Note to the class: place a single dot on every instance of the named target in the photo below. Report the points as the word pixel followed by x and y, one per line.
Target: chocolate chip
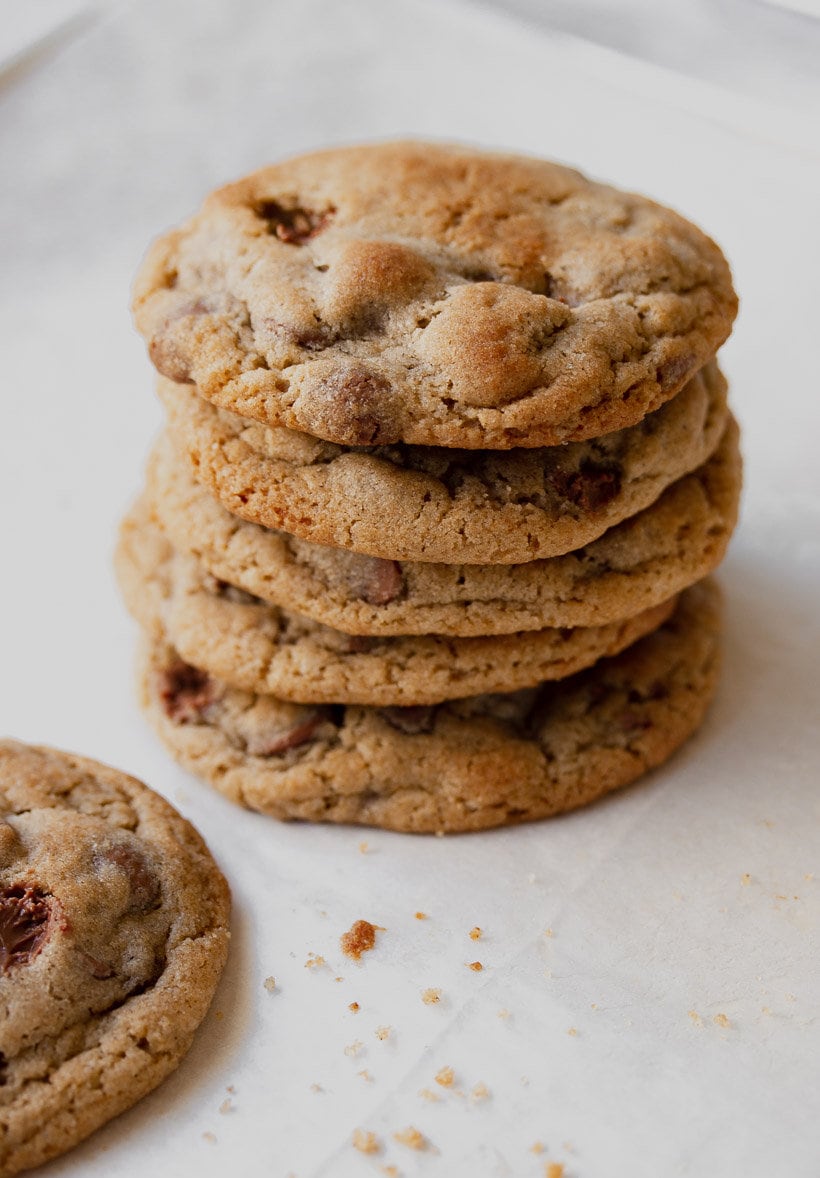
pixel 354 406
pixel 142 882
pixel 375 580
pixel 359 643
pixel 277 743
pixel 294 226
pixel 674 372
pixel 589 488
pixel 25 916
pixel 411 721
pixel 185 692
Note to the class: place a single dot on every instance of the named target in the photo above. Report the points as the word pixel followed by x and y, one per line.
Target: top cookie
pixel 433 295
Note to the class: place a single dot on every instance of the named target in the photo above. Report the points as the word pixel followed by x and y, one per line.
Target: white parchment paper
pixel 668 1026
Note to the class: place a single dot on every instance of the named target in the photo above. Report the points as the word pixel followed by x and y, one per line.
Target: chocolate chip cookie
pixel 249 643
pixel 432 504
pixel 489 760
pixel 638 564
pixel 113 935
pixel 434 295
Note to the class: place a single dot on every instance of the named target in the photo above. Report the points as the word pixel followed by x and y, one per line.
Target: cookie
pixel 436 295
pixel 638 564
pixel 490 760
pixel 248 643
pixel 429 503
pixel 113 935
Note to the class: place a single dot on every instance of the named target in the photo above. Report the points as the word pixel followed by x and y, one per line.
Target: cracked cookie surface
pixel 468 764
pixel 430 503
pixel 436 295
pixel 638 564
pixel 251 644
pixel 113 935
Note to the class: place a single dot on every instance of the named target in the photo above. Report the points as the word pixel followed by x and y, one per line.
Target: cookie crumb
pixel 410 1137
pixel 354 1006
pixel 391 1171
pixel 554 1170
pixel 365 1075
pixel 226 1106
pixel 505 1014
pixel 430 996
pixel 537 1147
pixel 696 1019
pixel 572 1030
pixel 721 1020
pixel 355 1048
pixel 445 1077
pixel 314 961
pixel 383 1032
pixel 270 984
pixel 365 1141
pixel 316 1088
pixel 548 932
pixel 210 1138
pixel 475 933
pixel 363 848
pixel 426 1094
pixel 745 879
pixel 359 938
pixel 480 1091
pixel 421 916
pixel 475 965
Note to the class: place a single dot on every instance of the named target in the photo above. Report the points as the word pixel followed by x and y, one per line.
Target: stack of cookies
pixel 448 458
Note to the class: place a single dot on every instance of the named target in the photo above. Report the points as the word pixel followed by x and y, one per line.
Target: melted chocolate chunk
pixel 293 226
pixel 589 488
pixel 412 721
pixel 185 692
pixel 25 915
pixel 674 372
pixel 165 350
pixel 376 581
pixel 354 407
pixel 142 881
pixel 278 743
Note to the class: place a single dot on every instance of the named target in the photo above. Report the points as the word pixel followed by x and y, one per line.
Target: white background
pixel 112 131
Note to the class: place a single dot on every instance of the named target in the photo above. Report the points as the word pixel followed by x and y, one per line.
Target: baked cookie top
pixel 633 566
pixel 435 295
pixel 113 934
pixel 489 760
pixel 252 644
pixel 431 503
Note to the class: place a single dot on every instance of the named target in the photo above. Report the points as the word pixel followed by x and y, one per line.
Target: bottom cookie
pixel 113 935
pixel 469 764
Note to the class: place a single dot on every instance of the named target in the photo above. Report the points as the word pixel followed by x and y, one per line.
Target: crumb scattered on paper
pixel 316 1088
pixel 359 938
pixel 355 1048
pixel 745 879
pixel 505 1014
pixel 480 1091
pixel 365 1141
pixel 431 996
pixel 383 1032
pixel 270 984
pixel 363 848
pixel 548 932
pixel 554 1170
pixel 475 933
pixel 445 1077
pixel 365 1075
pixel 696 1019
pixel 226 1106
pixel 572 1030
pixel 354 1006
pixel 721 1020
pixel 314 961
pixel 421 916
pixel 426 1094
pixel 537 1147
pixel 410 1137
pixel 475 965
pixel 210 1137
